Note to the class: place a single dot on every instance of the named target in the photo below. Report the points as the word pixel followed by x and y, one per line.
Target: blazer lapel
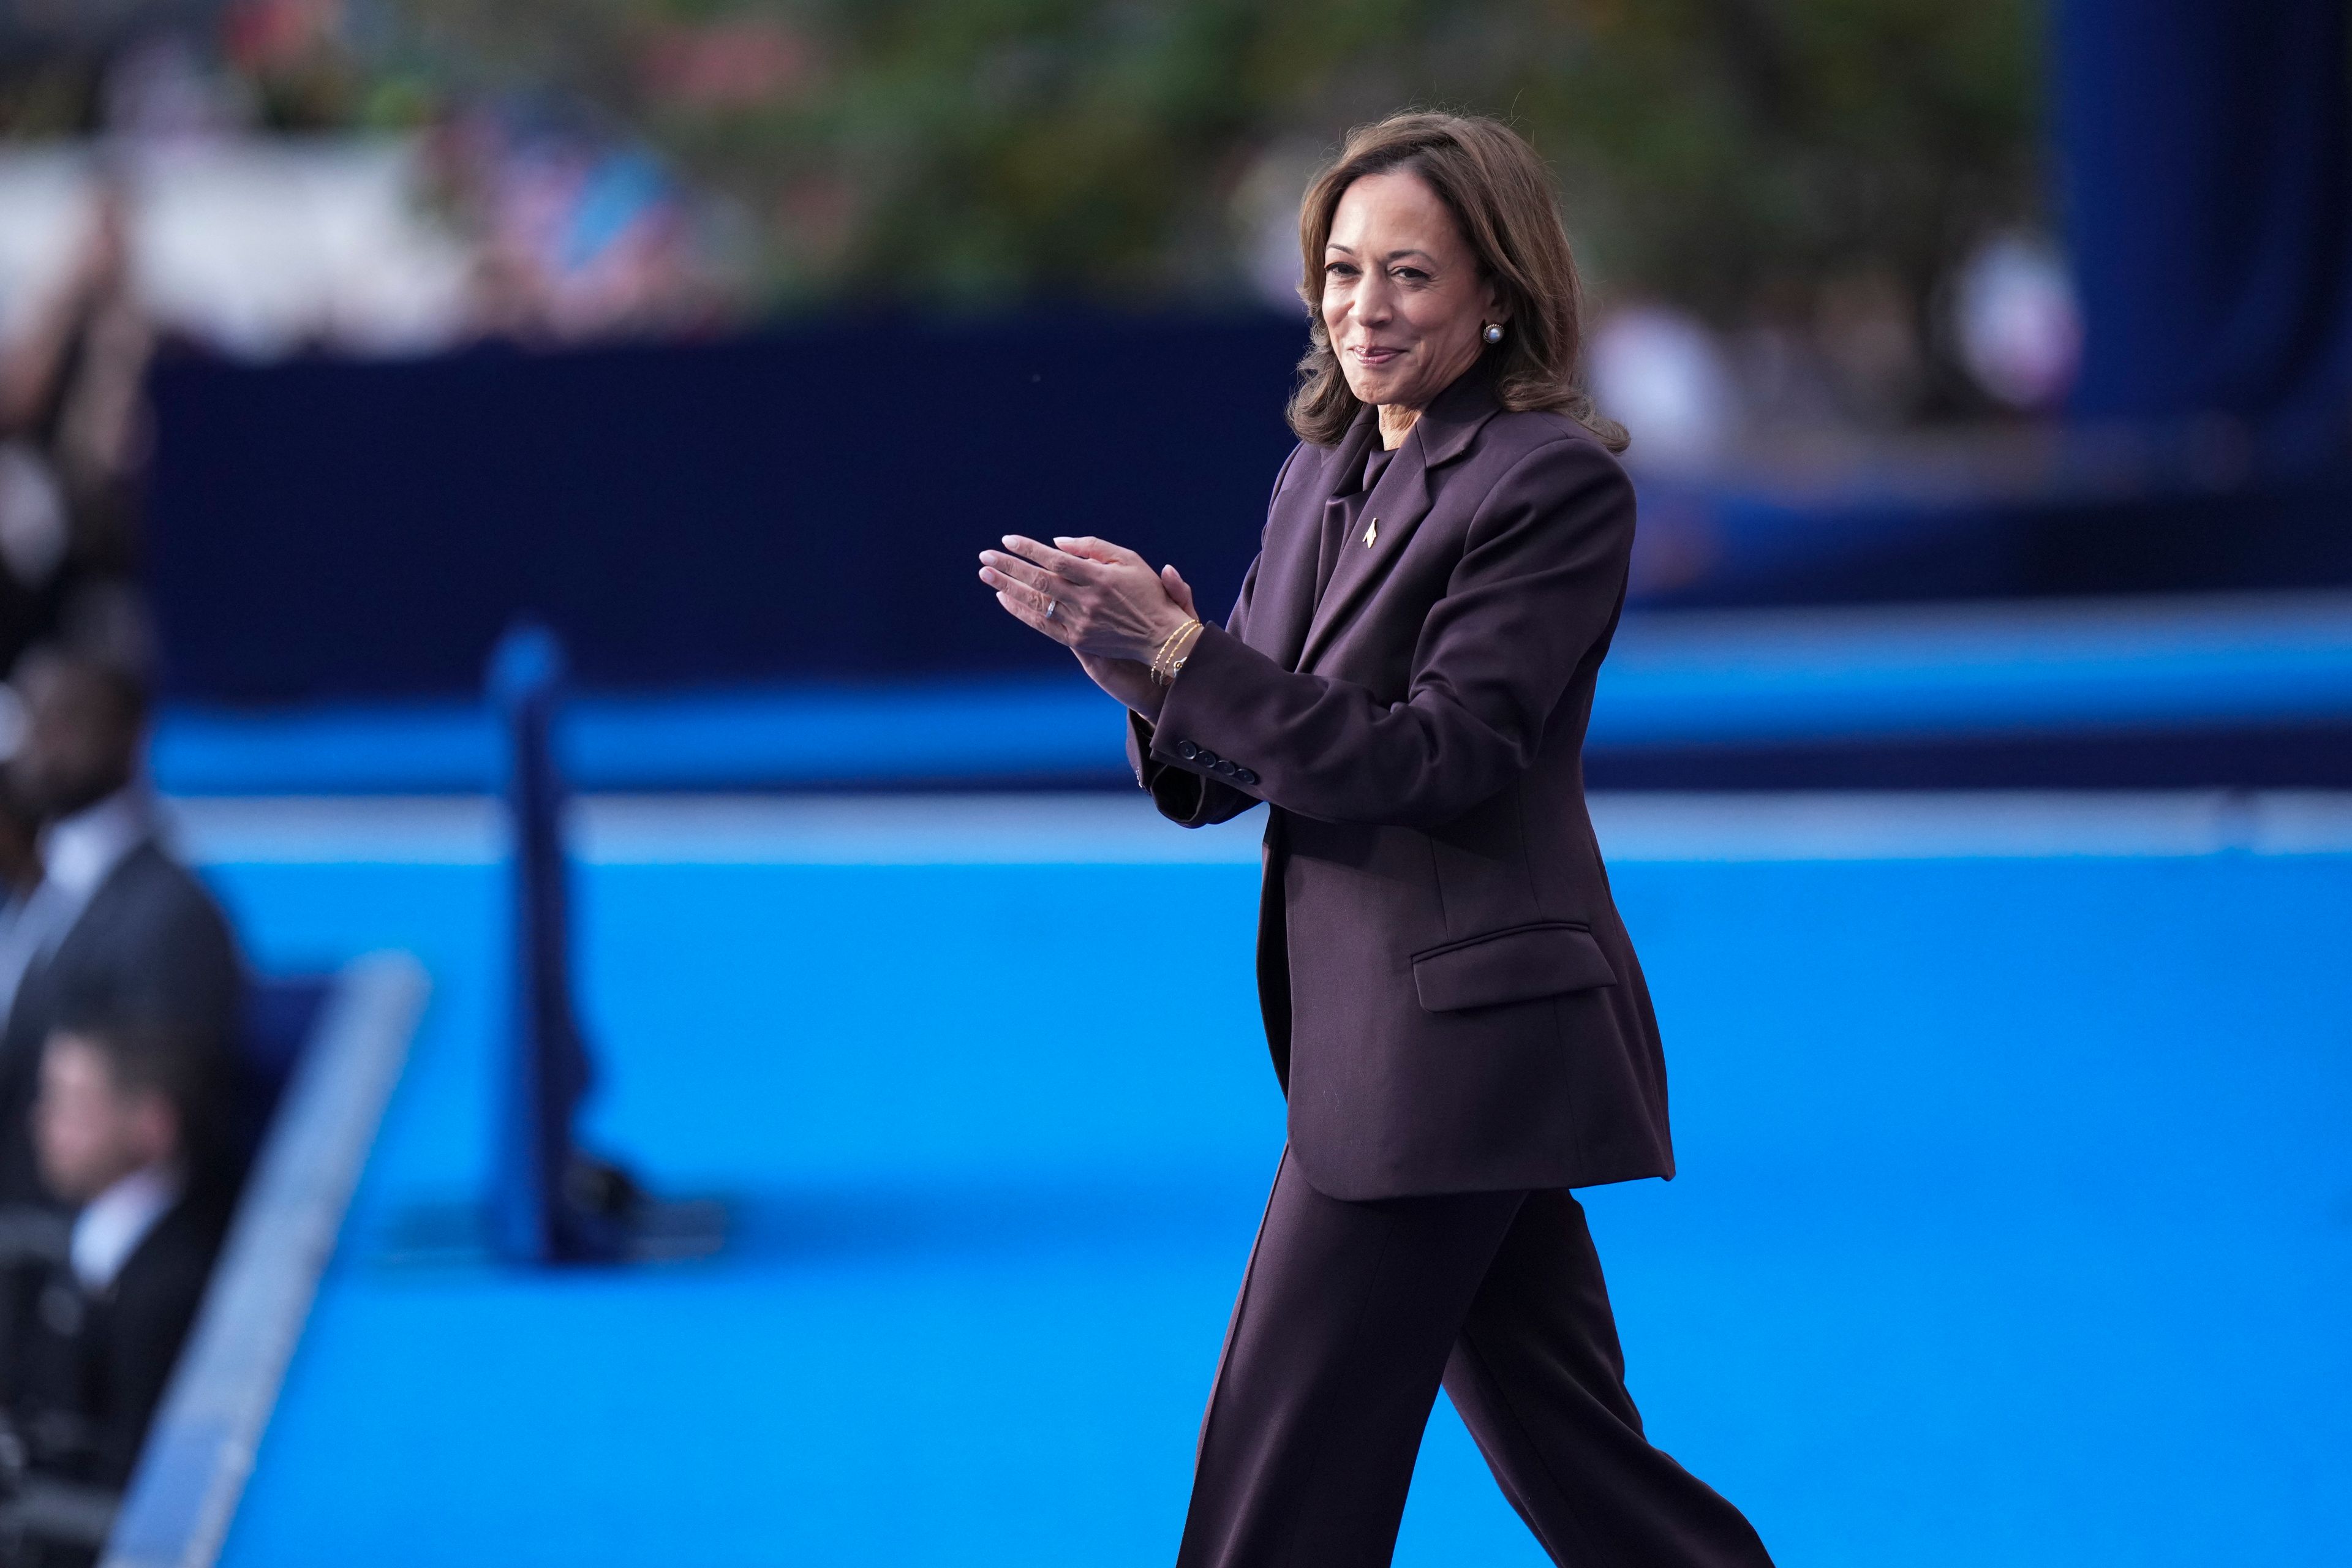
pixel 1284 598
pixel 1396 506
pixel 1391 513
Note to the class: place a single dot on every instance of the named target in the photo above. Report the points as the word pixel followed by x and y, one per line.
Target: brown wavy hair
pixel 1502 200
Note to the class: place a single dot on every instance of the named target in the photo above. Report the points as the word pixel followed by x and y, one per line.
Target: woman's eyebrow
pixel 1392 256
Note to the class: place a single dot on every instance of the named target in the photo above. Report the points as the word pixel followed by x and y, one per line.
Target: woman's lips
pixel 1375 355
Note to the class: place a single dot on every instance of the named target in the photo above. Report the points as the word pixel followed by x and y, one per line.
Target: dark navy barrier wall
pixel 805 503
pixel 803 509
pixel 2207 165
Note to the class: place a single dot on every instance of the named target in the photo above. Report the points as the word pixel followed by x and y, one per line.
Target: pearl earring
pixel 1494 333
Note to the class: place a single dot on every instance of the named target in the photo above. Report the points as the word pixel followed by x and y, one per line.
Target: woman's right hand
pixel 1128 681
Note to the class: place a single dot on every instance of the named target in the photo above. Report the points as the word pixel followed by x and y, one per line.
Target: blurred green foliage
pixel 1737 156
pixel 1760 161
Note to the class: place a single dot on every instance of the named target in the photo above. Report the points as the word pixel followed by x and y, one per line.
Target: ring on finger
pixel 1052 604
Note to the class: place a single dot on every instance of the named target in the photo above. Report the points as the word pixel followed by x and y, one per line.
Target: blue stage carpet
pixel 2015 1221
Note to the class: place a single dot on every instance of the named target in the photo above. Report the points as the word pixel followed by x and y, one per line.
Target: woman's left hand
pixel 1100 600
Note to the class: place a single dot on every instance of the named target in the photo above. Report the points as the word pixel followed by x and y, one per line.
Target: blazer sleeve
pixel 1539 583
pixel 1192 799
pixel 1186 798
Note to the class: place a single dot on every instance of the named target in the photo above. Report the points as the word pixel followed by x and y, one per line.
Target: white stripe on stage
pixel 1122 829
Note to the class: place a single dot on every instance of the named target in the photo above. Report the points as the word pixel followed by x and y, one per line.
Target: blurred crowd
pixel 274 199
pixel 121 1143
pixel 1851 354
pixel 391 176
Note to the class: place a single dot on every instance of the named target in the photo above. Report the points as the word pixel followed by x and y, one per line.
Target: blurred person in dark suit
pixel 127 1128
pixel 74 439
pixel 1455 1011
pixel 27 1233
pixel 20 878
pixel 118 927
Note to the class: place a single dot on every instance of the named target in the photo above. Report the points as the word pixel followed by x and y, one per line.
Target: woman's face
pixel 1402 298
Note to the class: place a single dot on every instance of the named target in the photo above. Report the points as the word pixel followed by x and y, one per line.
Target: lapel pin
pixel 1371 532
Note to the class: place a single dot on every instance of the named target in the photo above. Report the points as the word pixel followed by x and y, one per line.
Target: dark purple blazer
pixel 1452 1002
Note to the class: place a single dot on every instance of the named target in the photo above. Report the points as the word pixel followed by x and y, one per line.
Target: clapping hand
pixel 1101 601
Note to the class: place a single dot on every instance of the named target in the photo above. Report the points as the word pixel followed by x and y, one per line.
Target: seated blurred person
pixel 25 1230
pixel 20 878
pixel 126 1126
pixel 117 928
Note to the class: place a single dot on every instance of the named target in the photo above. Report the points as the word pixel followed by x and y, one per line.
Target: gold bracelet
pixel 1183 654
pixel 1159 655
pixel 1174 652
pixel 1168 661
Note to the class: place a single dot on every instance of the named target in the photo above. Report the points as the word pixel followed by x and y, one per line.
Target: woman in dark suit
pixel 1454 1010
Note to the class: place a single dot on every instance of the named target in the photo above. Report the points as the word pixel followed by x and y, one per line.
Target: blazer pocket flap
pixel 1515 965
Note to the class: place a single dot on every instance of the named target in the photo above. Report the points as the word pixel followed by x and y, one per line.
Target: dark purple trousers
pixel 1349 1316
